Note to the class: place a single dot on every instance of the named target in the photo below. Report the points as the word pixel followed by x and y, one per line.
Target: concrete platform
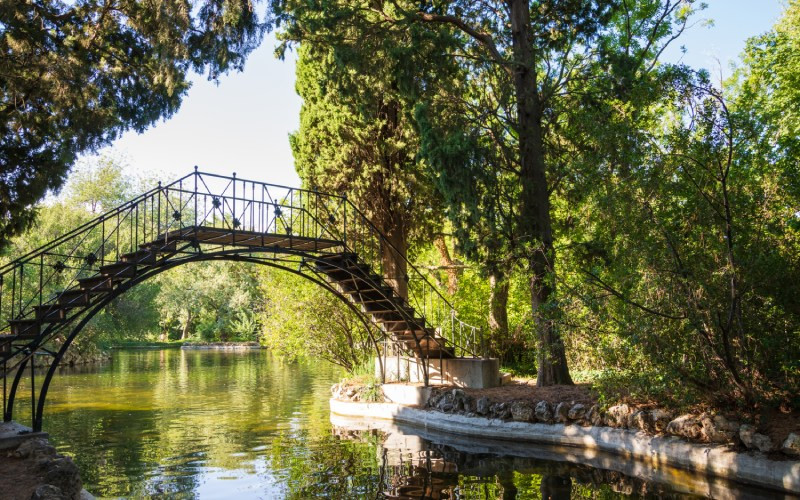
pixel 13 434
pixel 406 394
pixel 462 372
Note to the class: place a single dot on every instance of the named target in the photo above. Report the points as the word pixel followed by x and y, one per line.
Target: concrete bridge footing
pixel 462 372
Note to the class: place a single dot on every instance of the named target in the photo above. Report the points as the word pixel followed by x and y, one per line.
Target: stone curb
pixel 717 460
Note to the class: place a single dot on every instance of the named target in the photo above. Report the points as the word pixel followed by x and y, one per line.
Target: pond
pixel 215 424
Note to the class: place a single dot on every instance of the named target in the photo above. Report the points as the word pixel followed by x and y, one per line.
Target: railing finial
pixel 234 175
pixel 195 168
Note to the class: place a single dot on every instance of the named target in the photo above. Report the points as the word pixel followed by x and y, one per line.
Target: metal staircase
pixel 48 295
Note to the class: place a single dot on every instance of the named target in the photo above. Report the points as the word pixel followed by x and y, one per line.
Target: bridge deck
pixel 234 237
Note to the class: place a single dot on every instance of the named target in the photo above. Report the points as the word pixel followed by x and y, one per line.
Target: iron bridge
pixel 48 295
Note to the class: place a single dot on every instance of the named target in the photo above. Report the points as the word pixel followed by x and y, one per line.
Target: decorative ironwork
pixel 53 291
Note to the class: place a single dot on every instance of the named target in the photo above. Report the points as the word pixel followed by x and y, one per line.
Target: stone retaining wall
pixel 712 459
pixel 702 428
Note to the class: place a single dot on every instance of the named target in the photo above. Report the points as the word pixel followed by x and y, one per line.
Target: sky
pixel 242 123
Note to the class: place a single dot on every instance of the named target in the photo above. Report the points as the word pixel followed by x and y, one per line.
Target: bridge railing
pixel 240 206
pixel 373 246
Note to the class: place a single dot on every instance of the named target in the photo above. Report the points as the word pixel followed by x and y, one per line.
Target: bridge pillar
pixel 473 373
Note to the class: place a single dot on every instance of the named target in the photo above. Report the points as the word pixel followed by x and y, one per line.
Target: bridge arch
pixel 205 217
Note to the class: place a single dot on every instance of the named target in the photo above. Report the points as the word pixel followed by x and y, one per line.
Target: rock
pixel 445 403
pixel 521 411
pixel 469 404
pixel 746 433
pixel 577 412
pixel 641 420
pixel 595 416
pixel 34 448
pixel 561 411
pixel 660 419
pixel 762 443
pixel 48 492
pixel 792 445
pixel 503 411
pixel 543 412
pixel 459 400
pixel 717 429
pixel 433 401
pixel 687 426
pixel 63 473
pixel 482 406
pixel 618 415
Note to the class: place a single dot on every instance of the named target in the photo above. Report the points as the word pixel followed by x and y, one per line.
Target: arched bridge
pixel 48 295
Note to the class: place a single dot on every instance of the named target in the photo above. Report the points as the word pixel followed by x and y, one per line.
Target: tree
pixel 537 56
pixel 333 332
pixel 213 300
pixel 100 186
pixel 74 75
pixel 356 135
pixel 691 246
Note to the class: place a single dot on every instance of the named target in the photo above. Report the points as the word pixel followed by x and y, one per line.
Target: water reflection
pixel 208 424
pixel 417 464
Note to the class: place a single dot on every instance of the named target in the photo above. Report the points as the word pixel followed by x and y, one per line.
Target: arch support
pixel 230 255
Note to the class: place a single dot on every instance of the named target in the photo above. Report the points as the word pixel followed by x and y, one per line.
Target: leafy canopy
pixel 74 75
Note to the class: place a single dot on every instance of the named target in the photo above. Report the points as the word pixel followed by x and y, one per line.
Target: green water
pixel 211 424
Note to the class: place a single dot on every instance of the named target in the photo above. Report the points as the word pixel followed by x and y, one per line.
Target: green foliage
pixel 302 319
pixel 77 74
pixel 686 260
pixel 211 301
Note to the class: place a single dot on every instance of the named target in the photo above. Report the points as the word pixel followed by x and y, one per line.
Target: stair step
pixel 119 270
pixel 143 256
pixel 50 313
pixel 401 325
pixel 376 301
pixel 337 257
pixel 373 293
pixel 434 353
pixel 377 308
pixel 73 298
pixel 25 328
pixel 160 246
pixel 96 284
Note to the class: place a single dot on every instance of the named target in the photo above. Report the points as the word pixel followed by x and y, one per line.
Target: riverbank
pixel 518 424
pixel 222 346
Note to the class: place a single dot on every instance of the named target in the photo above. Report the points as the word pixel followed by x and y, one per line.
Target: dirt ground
pixel 526 390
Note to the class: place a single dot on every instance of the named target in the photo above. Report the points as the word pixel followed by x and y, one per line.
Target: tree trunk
pixel 505 479
pixel 393 257
pixel 452 273
pixel 555 487
pixel 186 326
pixel 498 311
pixel 535 223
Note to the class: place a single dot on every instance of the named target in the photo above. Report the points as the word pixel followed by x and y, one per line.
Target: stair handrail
pixel 409 265
pixel 87 225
